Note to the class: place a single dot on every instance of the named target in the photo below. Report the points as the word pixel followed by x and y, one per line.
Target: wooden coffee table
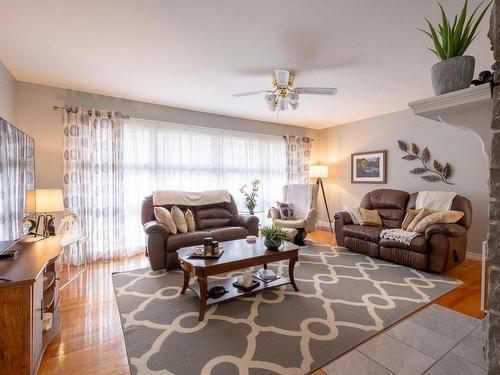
pixel 238 254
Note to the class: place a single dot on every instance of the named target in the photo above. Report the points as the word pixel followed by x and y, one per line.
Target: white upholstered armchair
pixel 303 198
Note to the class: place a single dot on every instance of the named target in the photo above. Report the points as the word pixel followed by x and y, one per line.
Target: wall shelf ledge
pixel 469 109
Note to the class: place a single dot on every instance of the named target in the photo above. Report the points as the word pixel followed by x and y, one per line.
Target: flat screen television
pixel 17 176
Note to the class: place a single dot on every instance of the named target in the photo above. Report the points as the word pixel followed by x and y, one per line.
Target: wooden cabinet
pixel 32 289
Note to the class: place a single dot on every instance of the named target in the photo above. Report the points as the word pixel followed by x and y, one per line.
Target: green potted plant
pixel 451 40
pixel 251 197
pixel 274 236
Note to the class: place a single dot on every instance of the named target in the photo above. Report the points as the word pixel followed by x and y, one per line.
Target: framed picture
pixel 369 167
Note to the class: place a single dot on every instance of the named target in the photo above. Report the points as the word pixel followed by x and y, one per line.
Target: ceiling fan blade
pixel 316 90
pixel 282 77
pixel 251 93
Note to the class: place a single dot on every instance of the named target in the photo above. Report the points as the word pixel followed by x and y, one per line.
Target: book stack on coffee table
pixel 266 275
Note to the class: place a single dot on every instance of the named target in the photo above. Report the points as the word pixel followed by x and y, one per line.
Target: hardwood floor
pixel 91 338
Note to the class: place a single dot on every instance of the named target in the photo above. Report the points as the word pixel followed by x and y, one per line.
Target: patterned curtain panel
pixel 16 176
pixel 298 155
pixel 93 179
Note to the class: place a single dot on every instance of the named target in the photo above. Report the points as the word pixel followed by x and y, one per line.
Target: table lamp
pixel 43 203
pixel 319 172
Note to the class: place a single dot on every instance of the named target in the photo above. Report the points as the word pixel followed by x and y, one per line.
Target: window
pixel 160 156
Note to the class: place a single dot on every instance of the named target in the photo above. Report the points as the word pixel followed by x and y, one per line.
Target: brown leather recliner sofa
pixel 439 249
pixel 220 221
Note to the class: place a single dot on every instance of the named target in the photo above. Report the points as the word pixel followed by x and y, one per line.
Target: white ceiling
pixel 195 53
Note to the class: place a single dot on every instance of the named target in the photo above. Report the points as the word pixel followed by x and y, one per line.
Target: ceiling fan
pixel 283 94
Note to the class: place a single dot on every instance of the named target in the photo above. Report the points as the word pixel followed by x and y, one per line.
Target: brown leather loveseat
pixel 220 221
pixel 439 249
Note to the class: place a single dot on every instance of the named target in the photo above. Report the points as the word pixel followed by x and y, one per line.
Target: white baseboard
pixel 472 256
pixel 323 224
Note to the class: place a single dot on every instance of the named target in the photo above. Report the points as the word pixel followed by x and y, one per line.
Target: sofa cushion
pixel 297 224
pixel 176 241
pixel 191 226
pixel 442 217
pixel 163 216
pixel 371 234
pixel 370 217
pixel 179 219
pixel 286 211
pixel 459 204
pixel 410 215
pixel 421 215
pixel 417 244
pixel 390 204
pixel 212 217
pixel 354 214
pixel 228 233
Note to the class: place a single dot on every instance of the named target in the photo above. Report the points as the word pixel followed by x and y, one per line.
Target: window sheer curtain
pixel 160 155
pixel 298 156
pixel 93 179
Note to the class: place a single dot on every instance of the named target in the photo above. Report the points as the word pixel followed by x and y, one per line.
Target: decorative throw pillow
pixel 164 217
pixel 370 217
pixel 423 213
pixel 354 214
pixel 410 215
pixel 179 219
pixel 190 220
pixel 441 217
pixel 286 210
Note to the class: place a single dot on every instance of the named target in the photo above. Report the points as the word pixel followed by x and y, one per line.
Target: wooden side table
pixel 73 259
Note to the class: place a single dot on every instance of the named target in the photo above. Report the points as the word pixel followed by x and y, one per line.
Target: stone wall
pixel 492 321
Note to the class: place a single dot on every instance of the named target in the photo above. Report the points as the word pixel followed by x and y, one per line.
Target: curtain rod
pixel 66 108
pixel 302 136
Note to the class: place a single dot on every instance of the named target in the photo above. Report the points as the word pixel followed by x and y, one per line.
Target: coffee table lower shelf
pixel 234 292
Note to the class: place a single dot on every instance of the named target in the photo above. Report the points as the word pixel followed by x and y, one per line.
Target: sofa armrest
pixel 251 222
pixel 311 219
pixel 449 230
pixel 156 227
pixel 341 219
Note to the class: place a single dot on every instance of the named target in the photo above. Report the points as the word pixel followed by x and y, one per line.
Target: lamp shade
pixel 44 200
pixel 318 170
pixel 29 202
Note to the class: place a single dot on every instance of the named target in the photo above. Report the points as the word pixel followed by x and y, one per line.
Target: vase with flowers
pixel 250 198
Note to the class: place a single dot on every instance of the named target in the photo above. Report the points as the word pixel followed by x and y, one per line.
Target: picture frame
pixel 369 167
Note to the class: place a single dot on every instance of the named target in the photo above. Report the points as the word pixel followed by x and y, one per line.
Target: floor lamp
pixel 319 172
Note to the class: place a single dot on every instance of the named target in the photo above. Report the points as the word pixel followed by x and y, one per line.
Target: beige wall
pixel 333 145
pixel 37 118
pixel 7 95
pixel 446 143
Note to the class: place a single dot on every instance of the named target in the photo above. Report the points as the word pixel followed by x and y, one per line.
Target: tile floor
pixel 434 341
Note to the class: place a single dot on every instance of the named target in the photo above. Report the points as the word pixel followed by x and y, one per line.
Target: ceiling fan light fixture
pixel 270 98
pixel 284 94
pixel 282 77
pixel 271 102
pixel 293 97
pixel 282 104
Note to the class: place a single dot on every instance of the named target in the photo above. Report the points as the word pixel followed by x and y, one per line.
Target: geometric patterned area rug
pixel 344 299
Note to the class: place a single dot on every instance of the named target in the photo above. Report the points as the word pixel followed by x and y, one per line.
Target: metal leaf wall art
pixel 436 172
